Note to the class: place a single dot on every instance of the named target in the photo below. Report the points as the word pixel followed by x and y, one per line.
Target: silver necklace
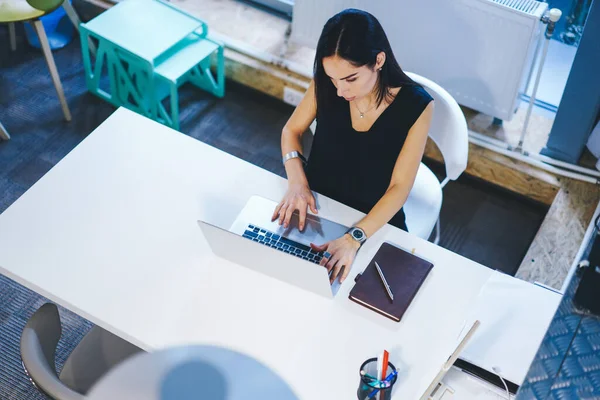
pixel 360 113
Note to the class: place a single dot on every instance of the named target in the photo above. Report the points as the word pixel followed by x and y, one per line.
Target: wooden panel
pixel 555 246
pixel 265 78
pixel 505 172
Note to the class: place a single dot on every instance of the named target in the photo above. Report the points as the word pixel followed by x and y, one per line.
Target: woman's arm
pixel 343 250
pixel 403 176
pixel 298 196
pixel 291 136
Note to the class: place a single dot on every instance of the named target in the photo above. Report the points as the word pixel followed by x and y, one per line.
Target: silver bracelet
pixel 294 154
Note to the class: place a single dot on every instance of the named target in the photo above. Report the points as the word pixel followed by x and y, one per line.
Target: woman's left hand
pixel 342 252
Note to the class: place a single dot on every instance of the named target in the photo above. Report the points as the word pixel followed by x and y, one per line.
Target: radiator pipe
pixel 566 165
pixel 538 46
pixel 505 146
pixel 550 19
pixel 536 163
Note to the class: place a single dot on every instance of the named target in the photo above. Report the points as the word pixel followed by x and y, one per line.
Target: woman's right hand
pixel 298 197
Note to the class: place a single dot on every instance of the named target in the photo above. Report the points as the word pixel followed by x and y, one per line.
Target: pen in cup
pixel 372 380
pixel 383 384
pixel 371 377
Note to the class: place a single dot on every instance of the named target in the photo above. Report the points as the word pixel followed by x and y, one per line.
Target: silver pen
pixel 387 287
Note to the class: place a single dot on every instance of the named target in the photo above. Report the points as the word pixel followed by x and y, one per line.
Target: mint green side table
pixel 148 49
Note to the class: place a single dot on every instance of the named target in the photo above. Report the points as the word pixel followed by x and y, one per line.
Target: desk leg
pixel 4 133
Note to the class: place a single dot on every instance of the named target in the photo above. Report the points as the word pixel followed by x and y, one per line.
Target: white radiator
pixel 481 51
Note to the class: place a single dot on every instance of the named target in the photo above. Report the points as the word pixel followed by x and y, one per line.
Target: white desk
pixel 514 317
pixel 110 233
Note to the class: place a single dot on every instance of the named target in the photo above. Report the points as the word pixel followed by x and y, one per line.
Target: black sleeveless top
pixel 353 167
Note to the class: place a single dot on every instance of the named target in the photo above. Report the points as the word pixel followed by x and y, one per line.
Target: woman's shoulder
pixel 411 101
pixel 417 93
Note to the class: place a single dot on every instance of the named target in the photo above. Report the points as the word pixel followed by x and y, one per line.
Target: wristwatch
pixel 357 234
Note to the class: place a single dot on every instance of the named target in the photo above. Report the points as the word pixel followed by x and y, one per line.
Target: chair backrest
pixel 45 5
pixel 38 348
pixel 448 127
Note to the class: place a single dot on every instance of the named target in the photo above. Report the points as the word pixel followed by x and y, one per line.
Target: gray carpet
pixel 486 223
pixel 478 221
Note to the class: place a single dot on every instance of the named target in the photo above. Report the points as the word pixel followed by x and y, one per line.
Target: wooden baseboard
pixel 508 173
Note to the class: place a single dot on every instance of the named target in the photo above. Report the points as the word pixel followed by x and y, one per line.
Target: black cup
pixel 367 385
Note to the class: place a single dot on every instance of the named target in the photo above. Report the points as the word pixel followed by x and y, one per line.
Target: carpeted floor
pixel 478 221
pixel 486 223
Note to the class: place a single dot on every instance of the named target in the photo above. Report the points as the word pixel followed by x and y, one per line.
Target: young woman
pixel 372 126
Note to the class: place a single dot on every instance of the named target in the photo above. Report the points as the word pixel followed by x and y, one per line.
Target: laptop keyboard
pixel 286 245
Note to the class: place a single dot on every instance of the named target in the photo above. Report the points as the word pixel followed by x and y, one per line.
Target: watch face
pixel 357 234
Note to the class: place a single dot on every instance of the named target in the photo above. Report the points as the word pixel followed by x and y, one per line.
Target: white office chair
pixel 449 132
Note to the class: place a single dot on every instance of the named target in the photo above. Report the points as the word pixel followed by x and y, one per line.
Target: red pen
pixel 386 356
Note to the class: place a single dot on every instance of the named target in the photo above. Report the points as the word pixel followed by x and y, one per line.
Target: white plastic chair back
pixel 448 127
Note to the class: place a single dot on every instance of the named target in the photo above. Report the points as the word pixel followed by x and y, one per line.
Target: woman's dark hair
pixel 357 37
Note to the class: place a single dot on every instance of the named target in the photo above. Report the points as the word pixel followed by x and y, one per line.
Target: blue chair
pixel 148 49
pixel 14 11
pixel 59 29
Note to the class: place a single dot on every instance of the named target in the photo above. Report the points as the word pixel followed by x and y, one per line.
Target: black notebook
pixel 404 273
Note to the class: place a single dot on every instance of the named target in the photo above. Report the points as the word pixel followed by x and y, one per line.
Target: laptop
pixel 255 242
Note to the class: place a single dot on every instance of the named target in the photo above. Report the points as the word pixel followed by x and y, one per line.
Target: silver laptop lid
pixel 266 260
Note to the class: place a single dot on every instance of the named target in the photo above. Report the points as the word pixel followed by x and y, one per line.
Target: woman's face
pixel 352 82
